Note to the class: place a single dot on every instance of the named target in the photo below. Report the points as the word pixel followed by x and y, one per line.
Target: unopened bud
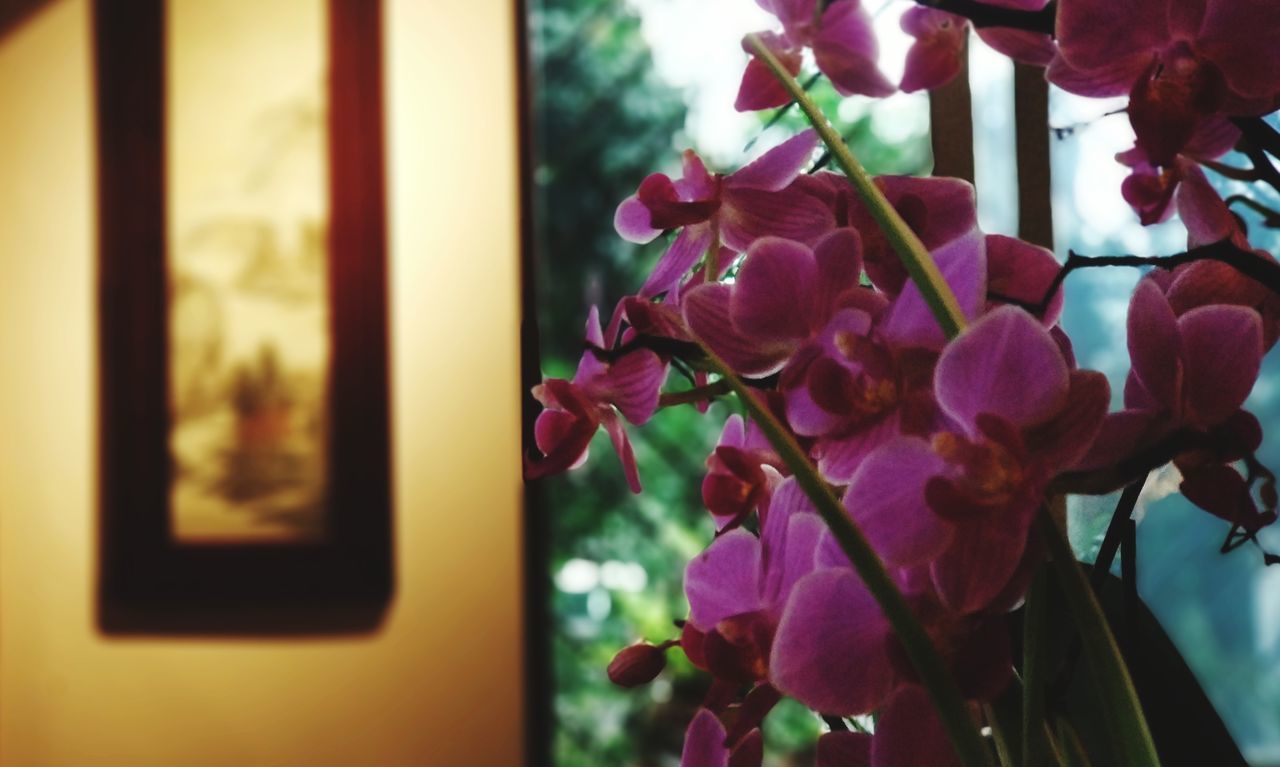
pixel 637 664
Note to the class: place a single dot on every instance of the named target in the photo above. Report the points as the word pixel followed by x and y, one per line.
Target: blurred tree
pixel 601 121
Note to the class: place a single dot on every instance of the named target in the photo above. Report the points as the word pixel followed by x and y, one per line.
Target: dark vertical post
pixel 359 440
pixel 1031 120
pixel 951 125
pixel 539 698
pixel 132 345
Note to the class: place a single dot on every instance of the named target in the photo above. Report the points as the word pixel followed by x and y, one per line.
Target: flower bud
pixel 637 664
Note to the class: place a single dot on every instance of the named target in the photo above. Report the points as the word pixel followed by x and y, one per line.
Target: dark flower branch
pixel 984 15
pixel 1264 271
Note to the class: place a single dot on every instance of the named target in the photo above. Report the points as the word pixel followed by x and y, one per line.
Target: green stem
pixel 933 673
pixel 915 257
pixel 1073 753
pixel 1035 620
pixel 1121 709
pixel 691 396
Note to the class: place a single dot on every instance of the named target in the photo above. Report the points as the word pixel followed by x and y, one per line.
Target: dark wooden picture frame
pixel 147 580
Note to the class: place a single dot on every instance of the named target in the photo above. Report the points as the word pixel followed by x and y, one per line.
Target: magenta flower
pixel 1205 283
pixel 831 650
pixel 936 57
pixel 704 745
pixel 1020 45
pixel 835 652
pixel 852 391
pixel 784 293
pixel 1150 190
pixel 1018 271
pixel 598 392
pixel 735 210
pixel 907 733
pixel 1194 370
pixel 1020 415
pixel 1180 62
pixel 738 586
pixel 739 472
pixel 938 210
pixel 844 48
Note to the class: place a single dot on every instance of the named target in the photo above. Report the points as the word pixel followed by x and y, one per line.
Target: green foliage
pixel 601 122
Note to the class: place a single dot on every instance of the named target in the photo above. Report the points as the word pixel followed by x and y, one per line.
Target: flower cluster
pixel 942 451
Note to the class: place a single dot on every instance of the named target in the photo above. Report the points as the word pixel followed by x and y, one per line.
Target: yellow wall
pixel 440 683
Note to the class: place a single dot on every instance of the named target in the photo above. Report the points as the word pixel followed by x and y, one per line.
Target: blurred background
pixel 619 88
pixel 440 681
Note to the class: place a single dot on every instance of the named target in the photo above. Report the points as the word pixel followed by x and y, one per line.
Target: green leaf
pixel 1126 726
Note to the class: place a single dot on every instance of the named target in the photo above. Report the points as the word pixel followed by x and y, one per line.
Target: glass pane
pixel 248 322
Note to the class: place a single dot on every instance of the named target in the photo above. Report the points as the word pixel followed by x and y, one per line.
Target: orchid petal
pixel 774 170
pixel 1131 27
pixel 749 214
pixel 704 742
pixel 633 221
pixel 1240 36
pixel 846 51
pixel 1023 272
pixel 938 210
pixel 982 557
pixel 1154 346
pixel 677 260
pixel 760 88
pixel 724 580
pixel 830 651
pixel 1114 78
pixel 1065 439
pixel 706 311
pixel 839 257
pixel 839 457
pixel 886 499
pixel 1020 45
pixel 772 296
pixel 1005 364
pixel 936 57
pixel 910 733
pixel 622 446
pixel 1223 347
pixel 962 263
pixel 633 384
pixel 1202 209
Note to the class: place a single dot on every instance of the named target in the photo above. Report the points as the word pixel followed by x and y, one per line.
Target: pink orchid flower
pixel 835 652
pixel 844 48
pixel 739 472
pixel 598 392
pixel 937 55
pixel 907 733
pixel 704 745
pixel 1020 415
pixel 1153 191
pixel 738 586
pixel 1179 61
pixel 734 209
pixel 783 294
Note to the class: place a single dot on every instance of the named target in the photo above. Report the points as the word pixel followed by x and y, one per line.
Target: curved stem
pixel 915 257
pixel 933 673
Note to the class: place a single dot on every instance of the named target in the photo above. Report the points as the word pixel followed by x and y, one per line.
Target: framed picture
pixel 245 468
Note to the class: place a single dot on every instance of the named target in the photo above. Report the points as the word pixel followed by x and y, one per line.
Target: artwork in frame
pixel 244 447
